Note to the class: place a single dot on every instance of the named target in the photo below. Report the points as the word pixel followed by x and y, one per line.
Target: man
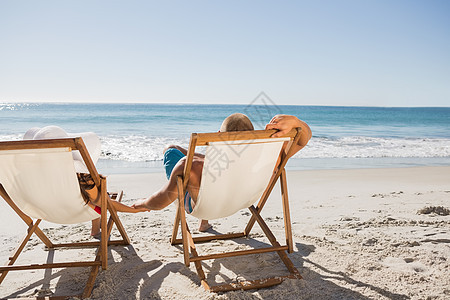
pixel 175 159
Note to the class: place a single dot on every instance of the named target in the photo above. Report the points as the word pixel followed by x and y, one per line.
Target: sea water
pixel 133 136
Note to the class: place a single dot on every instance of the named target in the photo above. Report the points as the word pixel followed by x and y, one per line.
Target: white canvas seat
pixel 231 164
pixel 38 180
pixel 26 175
pixel 240 169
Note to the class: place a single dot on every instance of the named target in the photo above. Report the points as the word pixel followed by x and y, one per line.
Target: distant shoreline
pixel 108 166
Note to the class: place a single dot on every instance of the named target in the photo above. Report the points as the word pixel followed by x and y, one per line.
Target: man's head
pixel 236 122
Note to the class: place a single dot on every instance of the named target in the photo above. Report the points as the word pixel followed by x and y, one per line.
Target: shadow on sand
pixel 130 276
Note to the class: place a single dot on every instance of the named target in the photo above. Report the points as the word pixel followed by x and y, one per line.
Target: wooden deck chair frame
pixel 101 257
pixel 188 241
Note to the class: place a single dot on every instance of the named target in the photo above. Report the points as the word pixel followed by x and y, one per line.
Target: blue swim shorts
pixel 171 157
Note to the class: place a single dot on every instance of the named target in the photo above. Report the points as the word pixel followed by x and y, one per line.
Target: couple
pixel 175 159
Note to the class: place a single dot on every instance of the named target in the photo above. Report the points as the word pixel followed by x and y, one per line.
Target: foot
pixel 97 236
pixel 204 226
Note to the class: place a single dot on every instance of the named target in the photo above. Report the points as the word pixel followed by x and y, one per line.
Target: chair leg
pixel 287 215
pixel 274 242
pixel 24 217
pixel 95 269
pixel 91 280
pixel 252 284
pixel 188 241
pixel 106 228
pixel 262 202
pixel 114 218
pixel 197 263
pixel 103 224
pixel 19 249
pixel 176 225
pixel 184 229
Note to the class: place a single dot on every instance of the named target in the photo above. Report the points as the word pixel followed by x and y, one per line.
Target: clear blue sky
pixel 369 53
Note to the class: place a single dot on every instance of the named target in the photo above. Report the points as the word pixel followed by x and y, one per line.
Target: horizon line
pixel 200 103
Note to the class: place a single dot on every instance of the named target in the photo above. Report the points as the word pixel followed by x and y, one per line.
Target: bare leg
pixel 95 230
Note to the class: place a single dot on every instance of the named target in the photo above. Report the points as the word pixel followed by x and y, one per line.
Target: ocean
pixel 133 136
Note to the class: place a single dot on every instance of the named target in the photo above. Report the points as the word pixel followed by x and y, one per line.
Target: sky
pixel 361 53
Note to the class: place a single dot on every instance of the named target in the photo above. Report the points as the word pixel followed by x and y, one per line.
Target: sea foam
pixel 140 148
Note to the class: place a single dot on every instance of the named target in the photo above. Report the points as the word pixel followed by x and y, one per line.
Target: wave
pixel 139 148
pixel 373 147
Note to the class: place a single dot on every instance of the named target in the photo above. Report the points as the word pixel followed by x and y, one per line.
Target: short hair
pixel 236 122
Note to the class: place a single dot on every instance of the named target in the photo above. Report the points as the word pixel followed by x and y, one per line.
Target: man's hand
pixel 284 124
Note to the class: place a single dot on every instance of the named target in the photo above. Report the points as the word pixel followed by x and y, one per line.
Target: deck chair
pixel 39 182
pixel 240 168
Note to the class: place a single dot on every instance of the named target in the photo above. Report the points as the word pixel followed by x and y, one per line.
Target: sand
pixel 358 234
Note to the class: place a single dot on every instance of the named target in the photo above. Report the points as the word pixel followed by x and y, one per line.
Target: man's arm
pixel 284 123
pixel 166 195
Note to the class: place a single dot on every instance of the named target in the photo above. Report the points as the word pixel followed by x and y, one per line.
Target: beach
pixel 368 192
pixel 358 234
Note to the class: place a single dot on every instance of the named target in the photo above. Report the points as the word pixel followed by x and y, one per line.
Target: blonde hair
pixel 236 122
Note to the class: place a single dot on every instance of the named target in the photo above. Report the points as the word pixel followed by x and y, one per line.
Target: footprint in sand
pixel 404 265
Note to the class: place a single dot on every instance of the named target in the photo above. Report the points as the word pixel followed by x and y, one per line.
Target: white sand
pixel 357 235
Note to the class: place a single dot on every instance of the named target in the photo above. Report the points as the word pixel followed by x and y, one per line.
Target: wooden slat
pixel 203 239
pixel 189 159
pixel 80 146
pixel 91 281
pixel 197 263
pixel 273 240
pixel 72 143
pixel 74 264
pixel 114 218
pixel 103 225
pixel 87 244
pixel 12 259
pixel 38 144
pixel 183 220
pixel 238 253
pixel 24 217
pixel 176 224
pixel 186 235
pixel 205 285
pixel 262 202
pixel 205 138
pixel 92 276
pixel 95 269
pixel 45 298
pixel 251 284
pixel 118 222
pixel 286 213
